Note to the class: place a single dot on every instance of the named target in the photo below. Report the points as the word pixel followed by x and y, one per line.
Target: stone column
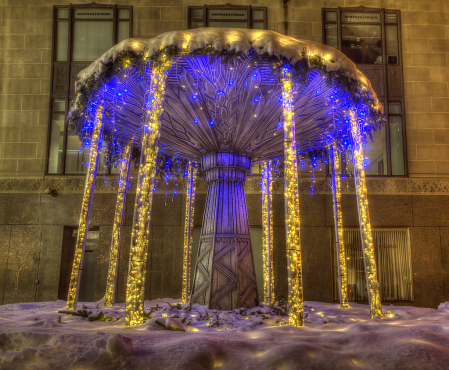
pixel 188 229
pixel 339 244
pixel 267 232
pixel 111 283
pixel 75 277
pixel 225 277
pixel 366 236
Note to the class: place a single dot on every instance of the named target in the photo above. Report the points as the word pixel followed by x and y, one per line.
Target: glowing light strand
pixel 338 221
pixel 291 199
pixel 144 195
pixel 267 232
pixel 75 277
pixel 365 226
pixel 111 282
pixel 188 229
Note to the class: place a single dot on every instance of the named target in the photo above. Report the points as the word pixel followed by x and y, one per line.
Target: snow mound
pixel 444 307
pixel 118 345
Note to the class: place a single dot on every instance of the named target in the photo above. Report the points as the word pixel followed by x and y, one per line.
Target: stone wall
pixel 32 226
pixel 25 57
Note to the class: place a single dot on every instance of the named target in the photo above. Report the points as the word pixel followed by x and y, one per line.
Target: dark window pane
pixel 123 13
pixel 391 18
pixel 397 150
pixel 257 14
pixel 196 24
pixel 228 24
pixel 94 13
pixel 123 31
pixel 392 44
pixel 360 17
pixel 331 16
pixel 362 43
pixel 91 40
pixel 56 143
pixel 63 13
pixel 62 43
pixel 332 35
pixel 196 13
pixel 76 161
pixel 59 105
pixel 257 25
pixel 375 156
pixel 394 108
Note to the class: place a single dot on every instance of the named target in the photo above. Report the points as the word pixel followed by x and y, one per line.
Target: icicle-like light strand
pixel 291 199
pixel 111 282
pixel 144 195
pixel 75 278
pixel 188 229
pixel 338 221
pixel 365 226
pixel 267 232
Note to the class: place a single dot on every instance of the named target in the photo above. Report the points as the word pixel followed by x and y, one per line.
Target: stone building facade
pixel 35 226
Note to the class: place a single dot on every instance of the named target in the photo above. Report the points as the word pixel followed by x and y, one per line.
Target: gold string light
pixel 267 232
pixel 135 286
pixel 75 277
pixel 365 226
pixel 338 221
pixel 291 199
pixel 188 229
pixel 111 282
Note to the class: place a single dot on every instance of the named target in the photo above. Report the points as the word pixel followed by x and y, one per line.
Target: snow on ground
pixel 179 337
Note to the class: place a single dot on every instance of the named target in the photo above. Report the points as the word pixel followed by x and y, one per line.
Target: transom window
pixel 81 34
pixel 233 16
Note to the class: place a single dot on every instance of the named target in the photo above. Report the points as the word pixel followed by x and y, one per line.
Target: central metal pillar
pixel 225 278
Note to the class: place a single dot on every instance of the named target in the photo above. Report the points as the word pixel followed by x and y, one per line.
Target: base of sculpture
pixel 225 277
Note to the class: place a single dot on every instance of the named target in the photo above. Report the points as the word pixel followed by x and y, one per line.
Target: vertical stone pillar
pixel 267 232
pixel 291 199
pixel 188 229
pixel 225 278
pixel 339 244
pixel 138 254
pixel 366 236
pixel 111 282
pixel 75 277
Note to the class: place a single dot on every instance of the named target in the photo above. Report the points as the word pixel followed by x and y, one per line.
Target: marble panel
pixel 19 208
pixel 430 210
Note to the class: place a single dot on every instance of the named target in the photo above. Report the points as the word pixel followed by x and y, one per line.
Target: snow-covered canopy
pixel 238 39
pixel 211 108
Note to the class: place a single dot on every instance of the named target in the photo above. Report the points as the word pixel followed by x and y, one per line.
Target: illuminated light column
pixel 77 269
pixel 135 286
pixel 291 199
pixel 365 226
pixel 111 283
pixel 339 245
pixel 267 232
pixel 188 229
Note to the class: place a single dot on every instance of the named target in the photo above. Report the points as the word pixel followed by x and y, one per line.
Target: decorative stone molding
pixel 391 185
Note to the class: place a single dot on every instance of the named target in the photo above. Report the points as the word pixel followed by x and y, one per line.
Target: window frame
pixel 385 98
pixel 67 96
pixel 205 19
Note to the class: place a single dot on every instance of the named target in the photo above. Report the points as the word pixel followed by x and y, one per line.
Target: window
pixel 393 262
pixel 233 16
pixel 371 39
pixel 81 34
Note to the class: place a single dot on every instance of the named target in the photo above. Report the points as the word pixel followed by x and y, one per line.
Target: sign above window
pixel 227 14
pixel 234 16
pixel 360 17
pixel 94 13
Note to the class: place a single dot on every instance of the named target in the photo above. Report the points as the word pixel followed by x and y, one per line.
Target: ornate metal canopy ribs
pixel 212 107
pixel 225 278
